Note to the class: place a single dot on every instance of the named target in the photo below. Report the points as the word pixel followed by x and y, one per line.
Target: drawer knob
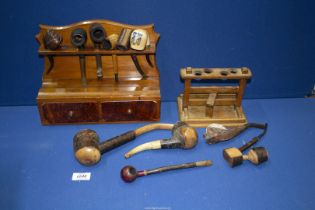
pixel 70 114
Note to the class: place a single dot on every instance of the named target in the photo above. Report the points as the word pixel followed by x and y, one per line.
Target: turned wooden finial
pixel 188 70
pixel 244 70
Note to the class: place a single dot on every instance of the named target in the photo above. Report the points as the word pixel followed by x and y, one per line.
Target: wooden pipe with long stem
pixel 129 173
pixel 88 149
pixel 183 136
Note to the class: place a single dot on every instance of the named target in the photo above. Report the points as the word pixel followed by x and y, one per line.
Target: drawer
pixel 55 113
pixel 114 111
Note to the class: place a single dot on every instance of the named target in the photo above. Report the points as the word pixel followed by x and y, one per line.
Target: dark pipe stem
pixel 147 57
pixel 171 143
pixel 83 70
pixel 138 67
pixel 99 68
pixel 170 168
pixel 255 139
pixel 51 63
pixel 117 141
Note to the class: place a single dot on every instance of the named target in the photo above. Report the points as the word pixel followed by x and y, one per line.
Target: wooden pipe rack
pixel 122 95
pixel 201 105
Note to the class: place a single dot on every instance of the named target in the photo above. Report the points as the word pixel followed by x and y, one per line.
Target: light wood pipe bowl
pixel 88 149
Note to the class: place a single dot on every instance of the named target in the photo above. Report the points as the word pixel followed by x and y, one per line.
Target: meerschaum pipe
pixel 138 39
pixel 183 136
pixel 88 149
pixel 129 173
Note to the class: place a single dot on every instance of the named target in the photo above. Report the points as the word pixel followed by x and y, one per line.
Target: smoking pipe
pixel 78 39
pixel 123 42
pixel 88 149
pixel 98 36
pixel 183 136
pixel 216 133
pixel 52 41
pixel 129 173
pixel 256 155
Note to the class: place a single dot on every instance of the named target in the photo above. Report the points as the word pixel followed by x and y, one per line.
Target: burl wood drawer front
pixel 131 111
pixel 70 112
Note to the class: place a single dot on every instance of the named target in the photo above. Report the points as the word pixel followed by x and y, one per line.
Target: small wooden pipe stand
pixel 124 94
pixel 201 105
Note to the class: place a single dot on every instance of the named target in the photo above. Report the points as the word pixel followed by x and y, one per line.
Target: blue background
pixel 273 38
pixel 37 163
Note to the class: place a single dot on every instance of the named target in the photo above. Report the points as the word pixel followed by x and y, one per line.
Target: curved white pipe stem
pixel 142 147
